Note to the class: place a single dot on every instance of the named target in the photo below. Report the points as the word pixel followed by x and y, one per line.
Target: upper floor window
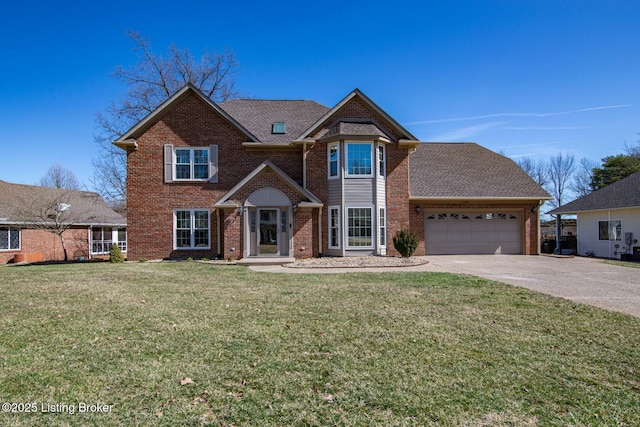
pixel 359 159
pixel 334 160
pixel 190 164
pixel 381 160
pixel 9 238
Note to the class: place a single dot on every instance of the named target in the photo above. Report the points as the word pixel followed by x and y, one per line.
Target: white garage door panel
pixel 473 232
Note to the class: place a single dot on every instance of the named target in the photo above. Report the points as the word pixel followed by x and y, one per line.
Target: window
pixel 283 220
pixel 192 164
pixel 191 229
pixel 359 159
pixel 334 227
pixel 102 238
pixel 610 230
pixel 334 160
pixel 359 228
pixel 278 127
pixel 9 238
pixel 381 160
pixel 383 227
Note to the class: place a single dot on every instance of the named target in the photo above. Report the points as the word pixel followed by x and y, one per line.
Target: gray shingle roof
pixel 355 128
pixel 467 170
pixel 258 115
pixel 621 194
pixel 21 203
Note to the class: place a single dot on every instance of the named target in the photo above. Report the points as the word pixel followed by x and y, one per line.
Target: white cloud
pixel 497 115
pixel 464 134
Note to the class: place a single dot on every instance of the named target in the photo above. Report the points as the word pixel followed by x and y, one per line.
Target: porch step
pixel 265 260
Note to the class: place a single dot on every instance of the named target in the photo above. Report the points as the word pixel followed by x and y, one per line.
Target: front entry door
pixel 268 232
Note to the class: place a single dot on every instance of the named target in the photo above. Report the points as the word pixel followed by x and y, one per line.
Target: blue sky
pixel 525 78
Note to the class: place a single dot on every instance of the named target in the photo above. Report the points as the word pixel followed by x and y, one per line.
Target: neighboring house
pixel 608 219
pixel 295 179
pixel 86 223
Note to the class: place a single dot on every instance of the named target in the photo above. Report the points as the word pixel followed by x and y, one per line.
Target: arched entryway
pixel 268 224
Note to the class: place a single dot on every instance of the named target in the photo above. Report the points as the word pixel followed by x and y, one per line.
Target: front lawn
pixel 198 344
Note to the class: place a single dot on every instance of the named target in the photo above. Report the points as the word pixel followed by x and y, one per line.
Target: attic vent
pixel 278 127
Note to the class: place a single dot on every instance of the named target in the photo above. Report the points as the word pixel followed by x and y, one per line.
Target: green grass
pixel 630 264
pixel 354 349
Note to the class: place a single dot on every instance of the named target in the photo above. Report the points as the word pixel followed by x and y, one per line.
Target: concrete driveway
pixel 584 280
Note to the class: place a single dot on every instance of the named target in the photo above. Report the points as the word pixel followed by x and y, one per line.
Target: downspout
pixel 558 232
pixel 89 243
pixel 609 231
pixel 304 165
pixel 320 232
pixel 218 237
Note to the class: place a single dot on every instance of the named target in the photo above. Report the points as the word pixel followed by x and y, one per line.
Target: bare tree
pixel 59 177
pixel 537 170
pixel 633 150
pixel 560 169
pixel 583 177
pixel 149 83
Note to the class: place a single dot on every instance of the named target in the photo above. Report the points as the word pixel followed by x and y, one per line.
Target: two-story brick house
pixel 294 179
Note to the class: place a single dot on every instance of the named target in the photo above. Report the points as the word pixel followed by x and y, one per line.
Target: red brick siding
pixel 40 241
pixel 151 202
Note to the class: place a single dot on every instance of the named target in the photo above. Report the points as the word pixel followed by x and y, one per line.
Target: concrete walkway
pixel 584 280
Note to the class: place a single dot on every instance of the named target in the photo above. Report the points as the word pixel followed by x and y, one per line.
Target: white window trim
pixel 339 166
pixel 114 232
pixel 9 239
pixel 382 224
pixel 191 163
pixel 339 227
pixel 192 224
pixel 381 163
pixel 374 162
pixel 346 228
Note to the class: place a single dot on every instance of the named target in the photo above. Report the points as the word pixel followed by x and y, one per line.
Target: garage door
pixel 473 232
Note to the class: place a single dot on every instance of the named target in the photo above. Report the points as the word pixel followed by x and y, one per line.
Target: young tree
pixel 54 210
pixel 59 177
pixel 149 83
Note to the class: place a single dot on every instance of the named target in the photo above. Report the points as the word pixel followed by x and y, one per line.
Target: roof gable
pixel 128 140
pixel 467 171
pixel 338 112
pixel 312 200
pixel 624 193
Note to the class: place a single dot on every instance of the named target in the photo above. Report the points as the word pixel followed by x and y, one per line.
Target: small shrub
pixel 115 255
pixel 143 260
pixel 405 242
pixel 190 259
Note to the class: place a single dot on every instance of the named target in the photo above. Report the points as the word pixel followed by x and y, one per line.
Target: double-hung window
pixel 191 229
pixel 610 230
pixel 192 164
pixel 333 160
pixel 382 225
pixel 334 227
pixel 359 159
pixel 359 227
pixel 9 238
pixel 381 160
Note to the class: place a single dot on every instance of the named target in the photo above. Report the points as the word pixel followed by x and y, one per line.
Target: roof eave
pixel 479 199
pixel 127 145
pixel 374 138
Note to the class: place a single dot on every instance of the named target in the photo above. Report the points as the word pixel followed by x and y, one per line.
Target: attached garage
pixel 449 232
